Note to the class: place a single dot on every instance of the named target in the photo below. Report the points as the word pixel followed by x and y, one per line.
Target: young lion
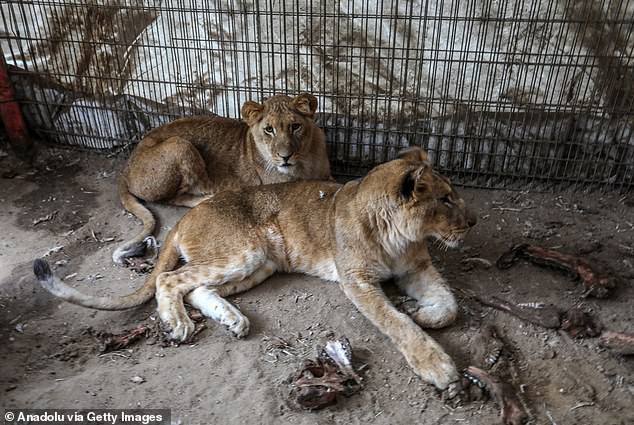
pixel 358 234
pixel 191 159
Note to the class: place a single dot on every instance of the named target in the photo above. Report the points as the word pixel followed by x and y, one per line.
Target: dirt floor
pixel 66 208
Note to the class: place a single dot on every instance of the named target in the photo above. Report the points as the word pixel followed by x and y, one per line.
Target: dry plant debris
pixel 280 349
pixel 139 265
pixel 48 217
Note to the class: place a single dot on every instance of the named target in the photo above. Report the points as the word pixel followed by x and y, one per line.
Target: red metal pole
pixel 11 115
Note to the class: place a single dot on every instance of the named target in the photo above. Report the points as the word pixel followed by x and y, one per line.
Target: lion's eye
pixel 295 126
pixel 269 130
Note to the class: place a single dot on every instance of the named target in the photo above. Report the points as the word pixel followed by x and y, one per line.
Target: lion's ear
pixel 414 154
pixel 415 183
pixel 252 112
pixel 306 104
pixel 407 185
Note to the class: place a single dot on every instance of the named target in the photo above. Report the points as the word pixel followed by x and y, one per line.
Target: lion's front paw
pixel 435 316
pixel 453 390
pixel 443 372
pixel 436 368
pixel 432 314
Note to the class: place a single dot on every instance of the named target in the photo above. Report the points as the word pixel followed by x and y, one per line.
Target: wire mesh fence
pixel 501 93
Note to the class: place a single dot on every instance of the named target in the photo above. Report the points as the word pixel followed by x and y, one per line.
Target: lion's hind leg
pixel 195 185
pixel 172 171
pixel 217 308
pixel 187 200
pixel 172 286
pixel 210 301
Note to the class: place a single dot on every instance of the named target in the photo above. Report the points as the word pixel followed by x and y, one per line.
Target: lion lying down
pixel 191 159
pixel 357 234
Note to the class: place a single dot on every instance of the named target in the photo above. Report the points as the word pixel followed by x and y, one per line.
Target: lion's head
pixel 284 130
pixel 416 202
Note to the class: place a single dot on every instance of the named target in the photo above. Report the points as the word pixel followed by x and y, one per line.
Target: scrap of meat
pixel 579 324
pixel 594 282
pixel 318 385
pixel 320 381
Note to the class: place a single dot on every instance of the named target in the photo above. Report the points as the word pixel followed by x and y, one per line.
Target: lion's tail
pixel 167 261
pixel 136 246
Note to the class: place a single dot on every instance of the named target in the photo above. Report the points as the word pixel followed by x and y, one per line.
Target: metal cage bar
pixel 501 94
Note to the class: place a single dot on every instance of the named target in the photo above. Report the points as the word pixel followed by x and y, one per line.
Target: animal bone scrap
pixel 492 353
pixel 574 321
pixel 489 347
pixel 546 316
pixel 321 380
pixel 594 282
pixel 617 342
pixel 112 342
pixel 511 412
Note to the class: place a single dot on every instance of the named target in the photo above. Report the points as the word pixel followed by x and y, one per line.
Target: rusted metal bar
pixel 11 116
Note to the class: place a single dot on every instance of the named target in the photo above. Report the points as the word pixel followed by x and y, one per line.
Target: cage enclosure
pixel 511 94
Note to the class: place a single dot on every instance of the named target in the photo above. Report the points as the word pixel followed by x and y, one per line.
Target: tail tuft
pixel 135 249
pixel 42 270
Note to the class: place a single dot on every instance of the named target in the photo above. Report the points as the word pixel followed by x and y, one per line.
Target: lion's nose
pixel 285 158
pixel 472 218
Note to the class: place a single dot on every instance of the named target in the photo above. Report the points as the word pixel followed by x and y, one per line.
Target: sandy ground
pixel 67 206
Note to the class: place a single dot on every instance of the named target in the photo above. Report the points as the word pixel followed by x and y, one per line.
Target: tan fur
pixel 358 234
pixel 191 159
